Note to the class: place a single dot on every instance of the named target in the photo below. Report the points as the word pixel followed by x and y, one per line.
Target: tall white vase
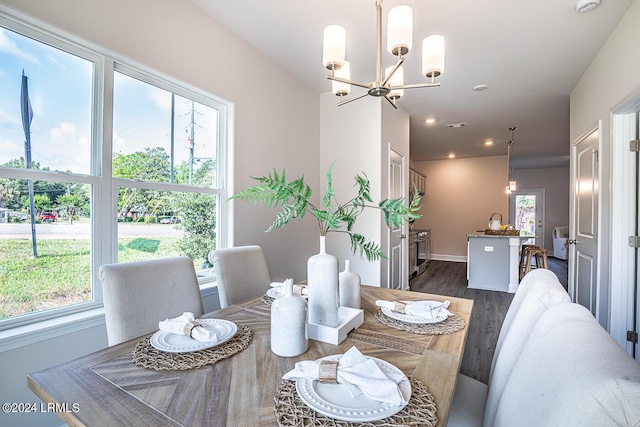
pixel 349 287
pixel 322 279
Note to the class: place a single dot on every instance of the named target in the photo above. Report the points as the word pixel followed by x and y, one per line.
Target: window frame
pixel 104 187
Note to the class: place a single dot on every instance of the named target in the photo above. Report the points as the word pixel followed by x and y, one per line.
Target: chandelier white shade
pixel 339 88
pixel 334 46
pixel 400 30
pixel 433 56
pixel 389 85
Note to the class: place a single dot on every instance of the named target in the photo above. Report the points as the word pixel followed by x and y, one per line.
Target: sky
pixel 60 91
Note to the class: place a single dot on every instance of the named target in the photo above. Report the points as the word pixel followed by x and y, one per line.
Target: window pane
pixel 157 224
pixel 60 274
pixel 60 87
pixel 162 137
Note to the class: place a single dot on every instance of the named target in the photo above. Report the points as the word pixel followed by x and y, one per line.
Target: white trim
pixel 41 331
pixel 453 258
pixel 623 129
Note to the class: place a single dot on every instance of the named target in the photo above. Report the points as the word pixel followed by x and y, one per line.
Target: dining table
pixel 106 388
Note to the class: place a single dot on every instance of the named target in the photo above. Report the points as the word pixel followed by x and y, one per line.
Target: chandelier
pixel 399 43
pixel 512 183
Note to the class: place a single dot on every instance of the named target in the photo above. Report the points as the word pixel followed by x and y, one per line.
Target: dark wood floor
pixel 489 309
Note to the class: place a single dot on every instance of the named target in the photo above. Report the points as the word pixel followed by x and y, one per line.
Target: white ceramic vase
pixel 349 287
pixel 322 280
pixel 289 324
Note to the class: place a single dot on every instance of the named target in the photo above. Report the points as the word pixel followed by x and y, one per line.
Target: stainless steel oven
pixel 423 242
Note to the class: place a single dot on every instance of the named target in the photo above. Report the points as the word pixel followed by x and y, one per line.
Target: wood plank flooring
pixel 490 307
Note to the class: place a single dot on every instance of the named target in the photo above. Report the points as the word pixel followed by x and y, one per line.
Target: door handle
pixel 403 236
pixel 573 242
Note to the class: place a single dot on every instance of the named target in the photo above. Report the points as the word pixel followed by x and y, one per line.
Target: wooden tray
pixel 502 232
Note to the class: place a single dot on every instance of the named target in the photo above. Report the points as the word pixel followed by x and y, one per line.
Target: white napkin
pixel 177 325
pixel 359 374
pixel 424 309
pixel 297 289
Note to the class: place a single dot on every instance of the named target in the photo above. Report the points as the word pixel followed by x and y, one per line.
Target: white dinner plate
pixel 173 343
pixel 409 318
pixel 275 293
pixel 335 401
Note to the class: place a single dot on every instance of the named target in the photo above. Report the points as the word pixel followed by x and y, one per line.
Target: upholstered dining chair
pixel 138 295
pixel 242 273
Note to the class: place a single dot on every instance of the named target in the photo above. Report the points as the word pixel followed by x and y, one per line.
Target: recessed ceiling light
pixel 480 88
pixel 451 156
pixel 584 6
pixel 488 143
pixel 430 121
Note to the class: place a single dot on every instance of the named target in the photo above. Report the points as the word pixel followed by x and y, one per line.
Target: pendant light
pixel 512 183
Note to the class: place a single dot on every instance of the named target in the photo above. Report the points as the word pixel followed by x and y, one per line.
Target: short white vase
pixel 322 280
pixel 349 287
pixel 288 324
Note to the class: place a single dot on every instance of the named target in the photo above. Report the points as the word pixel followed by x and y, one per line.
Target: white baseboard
pixel 443 257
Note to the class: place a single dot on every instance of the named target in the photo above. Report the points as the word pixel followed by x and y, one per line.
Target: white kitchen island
pixel 492 261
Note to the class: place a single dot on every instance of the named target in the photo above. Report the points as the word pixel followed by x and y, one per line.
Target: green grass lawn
pixel 61 274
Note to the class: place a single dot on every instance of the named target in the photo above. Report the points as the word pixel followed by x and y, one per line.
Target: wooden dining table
pixel 106 388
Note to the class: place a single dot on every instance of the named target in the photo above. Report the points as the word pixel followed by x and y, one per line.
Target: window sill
pixel 51 328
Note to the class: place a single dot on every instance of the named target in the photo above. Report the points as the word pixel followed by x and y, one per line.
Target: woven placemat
pixel 452 324
pixel 291 411
pixel 146 355
pixel 267 299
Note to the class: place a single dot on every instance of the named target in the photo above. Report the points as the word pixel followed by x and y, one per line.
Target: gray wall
pixel 613 75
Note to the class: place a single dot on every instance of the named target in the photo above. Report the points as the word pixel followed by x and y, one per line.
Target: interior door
pixel 526 212
pixel 398 269
pixel 583 234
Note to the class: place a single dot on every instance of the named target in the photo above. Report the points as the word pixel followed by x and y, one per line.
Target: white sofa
pixel 560 236
pixel 554 365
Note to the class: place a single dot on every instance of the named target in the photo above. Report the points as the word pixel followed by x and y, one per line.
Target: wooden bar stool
pixel 523 255
pixel 540 257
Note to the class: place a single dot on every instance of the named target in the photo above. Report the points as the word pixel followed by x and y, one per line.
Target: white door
pixel 526 212
pixel 583 234
pixel 398 269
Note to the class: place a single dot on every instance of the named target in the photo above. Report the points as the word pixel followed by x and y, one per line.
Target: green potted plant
pixel 292 198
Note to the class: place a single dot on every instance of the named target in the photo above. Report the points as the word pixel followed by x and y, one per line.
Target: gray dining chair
pixel 242 273
pixel 138 295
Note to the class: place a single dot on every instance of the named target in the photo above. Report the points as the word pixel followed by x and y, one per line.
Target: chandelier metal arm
pixel 392 102
pixel 416 86
pixel 346 101
pixel 351 82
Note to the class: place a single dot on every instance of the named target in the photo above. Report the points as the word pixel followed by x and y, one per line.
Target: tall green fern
pixel 273 191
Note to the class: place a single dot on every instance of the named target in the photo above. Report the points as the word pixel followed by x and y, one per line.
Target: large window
pixel 66 206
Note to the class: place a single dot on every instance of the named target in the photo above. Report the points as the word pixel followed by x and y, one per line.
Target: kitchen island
pixel 492 261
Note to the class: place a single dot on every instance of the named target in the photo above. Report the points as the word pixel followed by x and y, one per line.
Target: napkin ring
pixel 189 327
pixel 328 372
pixel 399 306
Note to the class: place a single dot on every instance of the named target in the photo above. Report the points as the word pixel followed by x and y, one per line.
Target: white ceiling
pixel 530 54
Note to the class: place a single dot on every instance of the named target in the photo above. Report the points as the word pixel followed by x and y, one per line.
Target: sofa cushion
pixel 539 290
pixel 571 373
